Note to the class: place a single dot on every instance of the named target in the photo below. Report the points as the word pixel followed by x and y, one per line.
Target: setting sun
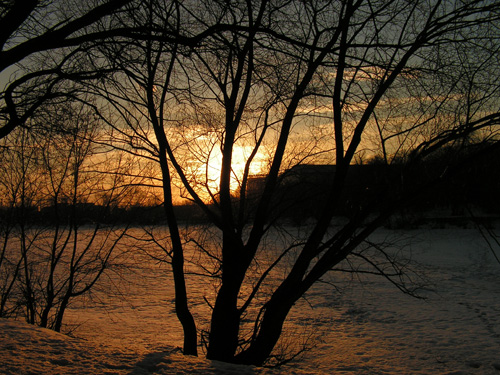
pixel 212 169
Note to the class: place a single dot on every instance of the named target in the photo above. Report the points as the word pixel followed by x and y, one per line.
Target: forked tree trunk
pixel 224 333
pixel 271 326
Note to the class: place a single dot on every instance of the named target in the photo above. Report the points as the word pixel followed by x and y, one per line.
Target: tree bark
pixel 225 323
pixel 224 328
pixel 271 326
pixel 184 315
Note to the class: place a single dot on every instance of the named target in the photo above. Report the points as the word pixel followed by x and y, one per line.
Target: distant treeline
pixel 303 189
pixel 89 213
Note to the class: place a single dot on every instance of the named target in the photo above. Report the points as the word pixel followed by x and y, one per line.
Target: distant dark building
pixel 303 189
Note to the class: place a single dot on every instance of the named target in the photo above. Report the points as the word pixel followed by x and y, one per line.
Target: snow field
pixel 366 328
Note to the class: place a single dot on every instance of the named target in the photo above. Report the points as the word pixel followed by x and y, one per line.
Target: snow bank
pixel 25 349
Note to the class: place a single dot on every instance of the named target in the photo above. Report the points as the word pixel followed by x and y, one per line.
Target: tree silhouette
pixel 40 45
pixel 50 254
pixel 229 85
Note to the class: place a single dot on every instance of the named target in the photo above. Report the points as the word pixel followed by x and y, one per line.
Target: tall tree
pixel 394 78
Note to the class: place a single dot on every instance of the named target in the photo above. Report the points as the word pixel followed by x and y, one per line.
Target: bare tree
pixel 48 48
pixel 58 244
pixel 388 78
pixel 18 187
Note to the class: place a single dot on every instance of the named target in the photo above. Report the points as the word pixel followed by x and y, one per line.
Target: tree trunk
pixel 60 313
pixel 6 292
pixel 44 318
pixel 49 300
pixel 185 317
pixel 181 300
pixel 225 323
pixel 181 303
pixel 271 326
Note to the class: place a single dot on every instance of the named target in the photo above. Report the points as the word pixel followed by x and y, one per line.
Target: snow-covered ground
pixel 369 328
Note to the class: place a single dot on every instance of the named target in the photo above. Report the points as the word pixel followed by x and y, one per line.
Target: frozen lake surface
pixel 367 327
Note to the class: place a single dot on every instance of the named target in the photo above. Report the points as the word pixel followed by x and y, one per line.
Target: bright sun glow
pixel 240 156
